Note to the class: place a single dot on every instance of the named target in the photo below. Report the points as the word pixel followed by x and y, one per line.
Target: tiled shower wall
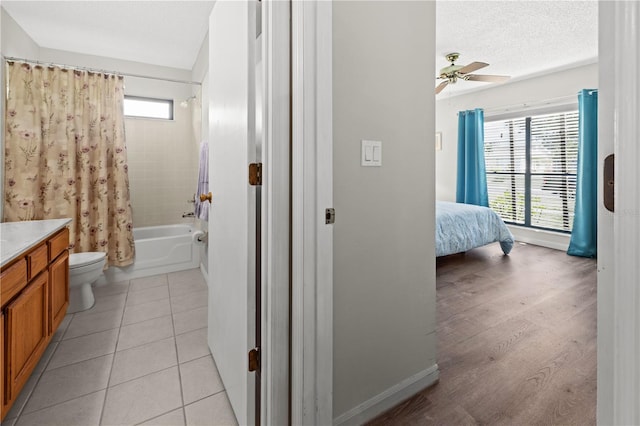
pixel 163 166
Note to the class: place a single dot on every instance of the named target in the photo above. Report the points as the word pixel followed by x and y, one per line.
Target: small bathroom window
pixel 139 107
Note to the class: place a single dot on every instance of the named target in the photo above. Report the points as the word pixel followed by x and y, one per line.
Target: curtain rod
pixel 536 104
pixel 32 61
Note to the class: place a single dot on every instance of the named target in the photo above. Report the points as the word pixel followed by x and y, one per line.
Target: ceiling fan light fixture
pixel 453 72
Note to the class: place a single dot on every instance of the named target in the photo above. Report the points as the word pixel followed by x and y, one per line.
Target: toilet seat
pixel 78 260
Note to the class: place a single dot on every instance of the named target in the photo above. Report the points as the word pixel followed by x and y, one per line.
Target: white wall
pixel 384 260
pixel 550 86
pixel 14 42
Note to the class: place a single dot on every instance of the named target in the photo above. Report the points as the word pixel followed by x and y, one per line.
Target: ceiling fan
pixel 453 72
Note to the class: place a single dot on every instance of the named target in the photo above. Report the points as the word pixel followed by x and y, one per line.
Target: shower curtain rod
pixel 33 61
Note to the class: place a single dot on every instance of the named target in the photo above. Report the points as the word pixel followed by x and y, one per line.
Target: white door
pixel 618 244
pixel 231 325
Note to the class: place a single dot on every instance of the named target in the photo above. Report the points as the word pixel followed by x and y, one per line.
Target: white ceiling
pixel 517 38
pixel 167 33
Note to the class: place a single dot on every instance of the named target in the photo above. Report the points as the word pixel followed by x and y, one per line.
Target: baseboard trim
pixel 204 273
pixel 540 237
pixel 380 403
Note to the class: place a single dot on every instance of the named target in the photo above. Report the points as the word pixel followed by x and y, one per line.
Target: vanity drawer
pixel 37 261
pixel 58 244
pixel 13 279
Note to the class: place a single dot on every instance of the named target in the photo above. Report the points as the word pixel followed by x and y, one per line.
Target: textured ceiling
pixel 167 33
pixel 517 38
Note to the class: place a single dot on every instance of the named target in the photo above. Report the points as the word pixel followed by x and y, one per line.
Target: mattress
pixel 462 227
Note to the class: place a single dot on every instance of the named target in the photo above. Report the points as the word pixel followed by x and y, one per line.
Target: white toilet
pixel 84 270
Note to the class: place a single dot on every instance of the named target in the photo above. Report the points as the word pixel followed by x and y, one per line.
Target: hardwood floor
pixel 516 341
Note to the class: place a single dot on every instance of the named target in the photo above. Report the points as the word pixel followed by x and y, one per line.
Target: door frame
pixel 312 193
pixel 276 213
pixel 618 269
pixel 297 245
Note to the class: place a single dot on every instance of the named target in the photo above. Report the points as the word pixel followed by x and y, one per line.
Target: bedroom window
pixel 531 169
pixel 139 107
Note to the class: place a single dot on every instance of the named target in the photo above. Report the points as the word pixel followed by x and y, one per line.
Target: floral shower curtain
pixel 65 156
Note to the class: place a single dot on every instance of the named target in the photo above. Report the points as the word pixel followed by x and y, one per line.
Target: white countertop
pixel 18 237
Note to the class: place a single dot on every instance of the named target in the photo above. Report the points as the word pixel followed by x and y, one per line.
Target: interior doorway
pixel 250 133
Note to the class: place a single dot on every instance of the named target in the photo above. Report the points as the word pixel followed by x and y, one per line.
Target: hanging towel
pixel 202 208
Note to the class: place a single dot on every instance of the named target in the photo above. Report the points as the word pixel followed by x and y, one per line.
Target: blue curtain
pixel 472 172
pixel 584 236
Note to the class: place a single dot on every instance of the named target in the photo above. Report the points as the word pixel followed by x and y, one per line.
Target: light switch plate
pixel 371 153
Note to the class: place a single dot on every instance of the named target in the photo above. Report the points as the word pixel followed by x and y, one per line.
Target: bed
pixel 461 227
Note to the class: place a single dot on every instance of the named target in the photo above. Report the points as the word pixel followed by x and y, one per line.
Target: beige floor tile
pixel 82 348
pixel 145 332
pixel 146 311
pixel 148 282
pixel 142 360
pixel 189 275
pixel 23 397
pixel 186 302
pixel 192 345
pixel 111 302
pixel 70 382
pixel 148 295
pixel 200 379
pixel 174 418
pixel 62 328
pixel 83 411
pixel 183 282
pixel 212 411
pixel 9 422
pixel 110 289
pixel 142 399
pixel 46 357
pixel 82 325
pixel 190 320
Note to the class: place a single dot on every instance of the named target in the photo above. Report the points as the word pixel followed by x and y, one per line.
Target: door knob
pixel 205 197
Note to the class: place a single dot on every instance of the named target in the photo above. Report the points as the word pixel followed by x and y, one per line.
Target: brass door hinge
pixel 254 359
pixel 255 174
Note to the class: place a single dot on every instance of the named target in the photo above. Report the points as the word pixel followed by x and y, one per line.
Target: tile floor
pixel 139 356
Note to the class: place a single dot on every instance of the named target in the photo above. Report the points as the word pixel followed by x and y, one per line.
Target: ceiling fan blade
pixel 473 66
pixel 441 86
pixel 487 78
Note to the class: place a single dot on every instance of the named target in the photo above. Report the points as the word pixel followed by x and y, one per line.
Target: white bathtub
pixel 159 250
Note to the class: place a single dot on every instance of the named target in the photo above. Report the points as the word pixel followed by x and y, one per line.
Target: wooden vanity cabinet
pixel 58 290
pixel 35 296
pixel 2 401
pixel 27 332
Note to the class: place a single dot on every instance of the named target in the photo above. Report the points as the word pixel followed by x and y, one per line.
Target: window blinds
pixel 531 169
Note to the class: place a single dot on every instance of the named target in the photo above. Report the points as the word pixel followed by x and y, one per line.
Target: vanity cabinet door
pixel 59 290
pixel 2 389
pixel 27 333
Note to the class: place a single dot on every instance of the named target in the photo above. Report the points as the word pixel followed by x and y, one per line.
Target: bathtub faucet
pixel 190 214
